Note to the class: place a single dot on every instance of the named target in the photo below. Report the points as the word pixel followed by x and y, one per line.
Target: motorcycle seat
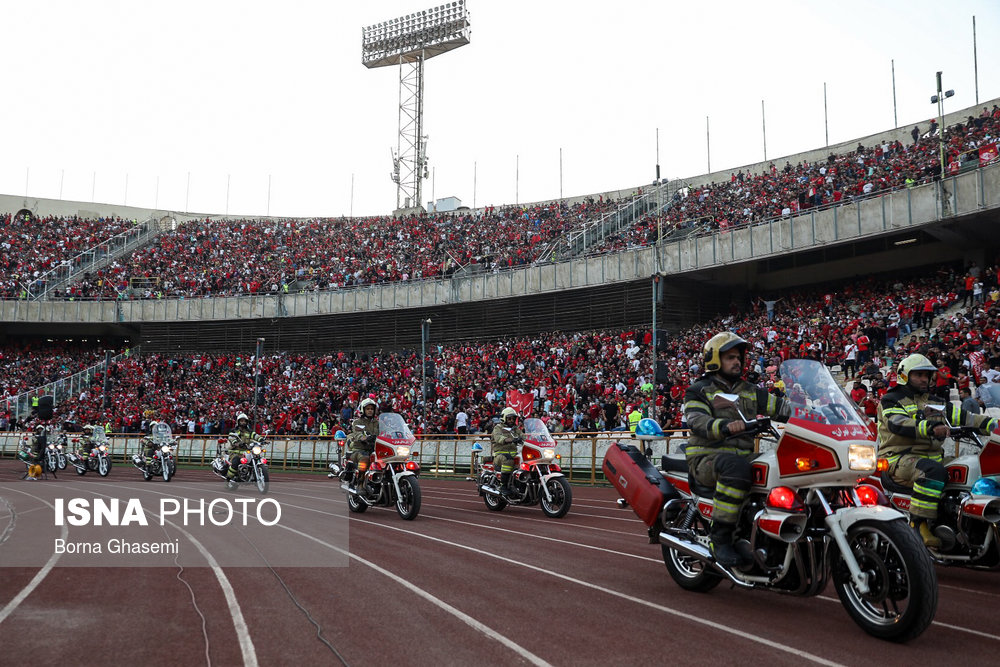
pixel 893 487
pixel 670 463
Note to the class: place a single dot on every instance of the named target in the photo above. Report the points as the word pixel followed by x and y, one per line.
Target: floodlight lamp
pixel 950 93
pixel 934 99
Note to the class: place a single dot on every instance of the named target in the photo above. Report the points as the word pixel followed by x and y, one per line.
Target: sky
pixel 251 107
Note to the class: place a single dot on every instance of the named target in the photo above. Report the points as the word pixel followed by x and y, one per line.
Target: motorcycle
pixel 389 477
pixel 803 523
pixel 250 469
pixel 536 479
pixel 968 522
pixel 99 458
pixel 54 457
pixel 162 462
pixel 60 451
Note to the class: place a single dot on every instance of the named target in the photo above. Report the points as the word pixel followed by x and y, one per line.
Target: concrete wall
pixel 967 194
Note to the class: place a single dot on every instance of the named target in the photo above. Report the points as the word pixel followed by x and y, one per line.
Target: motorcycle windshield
pixel 161 434
pixel 97 435
pixel 392 427
pixel 815 396
pixel 537 433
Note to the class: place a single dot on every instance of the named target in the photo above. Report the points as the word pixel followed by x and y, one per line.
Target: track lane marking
pixel 247 649
pixel 938 623
pixel 39 576
pixel 427 595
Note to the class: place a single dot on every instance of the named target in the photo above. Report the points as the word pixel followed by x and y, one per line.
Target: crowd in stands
pixel 580 381
pixel 31 247
pixel 207 258
pixel 26 365
pixel 868 171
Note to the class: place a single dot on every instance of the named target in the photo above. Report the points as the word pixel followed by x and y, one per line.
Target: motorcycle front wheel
pixel 562 498
pixel 408 502
pixel 165 470
pixel 62 461
pixel 263 479
pixel 51 462
pixel 902 595
pixel 103 466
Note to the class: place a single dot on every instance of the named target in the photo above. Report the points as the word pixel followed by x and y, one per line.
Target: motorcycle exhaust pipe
pixel 490 490
pixel 701 553
pixel 782 525
pixel 982 508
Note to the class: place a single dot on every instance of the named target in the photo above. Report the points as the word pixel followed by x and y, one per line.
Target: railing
pixel 440 457
pixel 20 405
pixel 962 195
pixel 577 241
pixel 94 258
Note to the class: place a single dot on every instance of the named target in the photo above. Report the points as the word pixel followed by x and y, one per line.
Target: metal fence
pixel 19 406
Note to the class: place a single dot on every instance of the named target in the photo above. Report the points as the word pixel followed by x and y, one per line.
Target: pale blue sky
pixel 251 89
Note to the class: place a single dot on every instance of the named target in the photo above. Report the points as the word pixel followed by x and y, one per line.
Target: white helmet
pixel 365 403
pixel 508 412
pixel 240 416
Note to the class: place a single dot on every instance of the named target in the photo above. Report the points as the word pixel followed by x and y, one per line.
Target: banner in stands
pixel 522 402
pixel 988 153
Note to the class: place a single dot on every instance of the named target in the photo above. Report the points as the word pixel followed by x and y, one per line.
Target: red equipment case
pixel 642 486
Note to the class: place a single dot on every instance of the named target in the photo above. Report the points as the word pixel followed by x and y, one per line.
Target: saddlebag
pixel 638 481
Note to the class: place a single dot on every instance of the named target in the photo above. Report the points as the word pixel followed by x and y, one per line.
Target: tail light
pixel 784 498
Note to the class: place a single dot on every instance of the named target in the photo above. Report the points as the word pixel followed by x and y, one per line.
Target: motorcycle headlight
pixel 861 457
pixel 165 449
pixel 548 453
pixel 257 450
pixel 986 486
pixel 402 450
pixel 58 446
pixel 102 448
pixel 52 446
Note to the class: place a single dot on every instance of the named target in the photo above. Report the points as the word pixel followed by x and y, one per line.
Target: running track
pixel 460 585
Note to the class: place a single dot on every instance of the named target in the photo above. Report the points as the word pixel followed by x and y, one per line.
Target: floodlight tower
pixel 408 41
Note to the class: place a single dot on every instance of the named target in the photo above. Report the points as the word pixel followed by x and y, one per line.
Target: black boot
pixel 505 489
pixel 723 550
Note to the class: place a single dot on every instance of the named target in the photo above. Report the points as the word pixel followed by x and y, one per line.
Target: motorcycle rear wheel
pixel 494 502
pixel 408 503
pixel 146 474
pixel 688 572
pixel 355 504
pixel 81 469
pixel 903 585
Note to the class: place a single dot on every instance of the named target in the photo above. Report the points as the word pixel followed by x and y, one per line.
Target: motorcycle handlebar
pixel 967 433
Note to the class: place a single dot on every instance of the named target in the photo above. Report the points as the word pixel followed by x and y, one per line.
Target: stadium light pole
pixel 939 100
pixel 407 41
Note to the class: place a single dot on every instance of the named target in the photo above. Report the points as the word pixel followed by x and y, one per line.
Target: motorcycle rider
pixel 240 439
pixel 147 446
pixel 361 441
pixel 505 438
pixel 913 442
pixel 87 443
pixel 717 455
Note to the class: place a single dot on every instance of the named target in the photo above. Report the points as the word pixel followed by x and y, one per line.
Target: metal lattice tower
pixel 408 41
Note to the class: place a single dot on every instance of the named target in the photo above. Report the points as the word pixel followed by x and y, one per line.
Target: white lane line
pixel 457 613
pixel 247 648
pixel 969 590
pixel 625 596
pixel 938 623
pixel 497 528
pixel 39 576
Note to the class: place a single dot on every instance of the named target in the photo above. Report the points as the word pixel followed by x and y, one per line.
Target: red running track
pixel 459 585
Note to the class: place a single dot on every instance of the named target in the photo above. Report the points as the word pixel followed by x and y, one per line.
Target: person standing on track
pixel 717 455
pixel 506 436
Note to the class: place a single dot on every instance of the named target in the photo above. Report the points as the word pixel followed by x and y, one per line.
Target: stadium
pixel 594 307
